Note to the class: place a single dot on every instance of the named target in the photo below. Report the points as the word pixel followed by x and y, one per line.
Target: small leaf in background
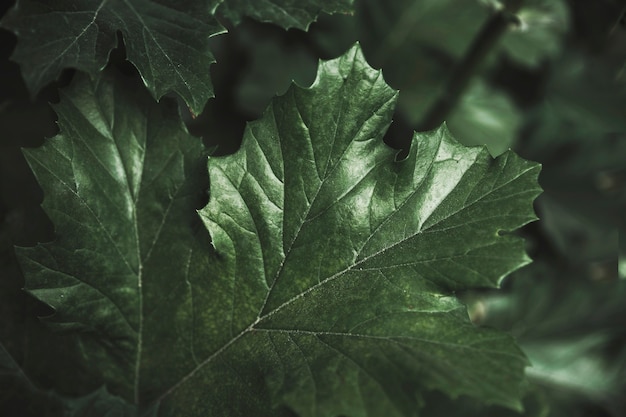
pixel 418 43
pixel 297 14
pixel 19 397
pixel 578 134
pixel 484 115
pixel 330 287
pixel 101 403
pixel 450 25
pixel 595 107
pixel 539 33
pixel 572 329
pixel 276 59
pixel 168 42
pixel 391 29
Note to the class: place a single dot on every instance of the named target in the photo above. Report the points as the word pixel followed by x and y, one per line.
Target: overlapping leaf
pixel 572 330
pixel 167 40
pixel 286 13
pixel 580 134
pixel 122 182
pixel 329 290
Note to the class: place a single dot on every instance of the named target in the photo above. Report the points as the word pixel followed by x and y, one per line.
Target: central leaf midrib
pixel 397 339
pixel 365 259
pixel 323 179
pixel 260 316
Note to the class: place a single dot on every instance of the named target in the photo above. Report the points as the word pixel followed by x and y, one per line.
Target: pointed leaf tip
pixel 328 291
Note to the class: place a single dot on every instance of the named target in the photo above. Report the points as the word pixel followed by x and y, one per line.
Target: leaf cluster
pixel 217 239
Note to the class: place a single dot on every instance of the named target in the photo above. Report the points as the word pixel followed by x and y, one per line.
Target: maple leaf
pixel 167 40
pixel 285 13
pixel 328 285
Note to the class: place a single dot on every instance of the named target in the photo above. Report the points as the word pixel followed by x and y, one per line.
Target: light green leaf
pixel 539 33
pixel 167 40
pixel 330 289
pixel 285 13
pixel 484 115
pixel 449 26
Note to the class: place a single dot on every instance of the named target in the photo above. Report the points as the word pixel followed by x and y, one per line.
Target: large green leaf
pixel 286 13
pixel 122 182
pixel 329 285
pixel 167 40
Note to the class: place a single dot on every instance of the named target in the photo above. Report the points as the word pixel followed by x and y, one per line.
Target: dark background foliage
pixel 565 108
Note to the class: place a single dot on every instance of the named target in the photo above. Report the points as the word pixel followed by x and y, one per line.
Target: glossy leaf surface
pixel 330 288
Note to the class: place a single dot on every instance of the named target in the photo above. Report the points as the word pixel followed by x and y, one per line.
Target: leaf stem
pixel 489 35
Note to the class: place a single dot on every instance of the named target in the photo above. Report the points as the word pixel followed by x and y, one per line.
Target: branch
pixel 483 43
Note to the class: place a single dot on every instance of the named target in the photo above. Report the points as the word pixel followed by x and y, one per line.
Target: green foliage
pixel 285 13
pixel 306 267
pixel 313 250
pixel 167 41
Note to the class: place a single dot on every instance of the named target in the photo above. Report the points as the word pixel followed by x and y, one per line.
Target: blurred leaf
pixel 542 25
pixel 390 30
pixel 576 235
pixel 572 330
pixel 584 99
pixel 275 59
pixel 484 116
pixel 19 397
pixel 450 26
pixel 579 134
pixel 101 403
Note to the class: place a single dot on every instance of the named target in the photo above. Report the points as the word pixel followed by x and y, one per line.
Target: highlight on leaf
pixel 321 277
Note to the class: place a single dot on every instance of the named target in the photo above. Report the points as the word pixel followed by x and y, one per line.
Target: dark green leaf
pixel 330 289
pixel 286 13
pixel 579 133
pixel 19 396
pixel 167 41
pixel 124 212
pixel 101 403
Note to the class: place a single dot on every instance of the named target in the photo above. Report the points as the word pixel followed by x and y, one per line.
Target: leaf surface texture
pixel 167 40
pixel 285 13
pixel 327 284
